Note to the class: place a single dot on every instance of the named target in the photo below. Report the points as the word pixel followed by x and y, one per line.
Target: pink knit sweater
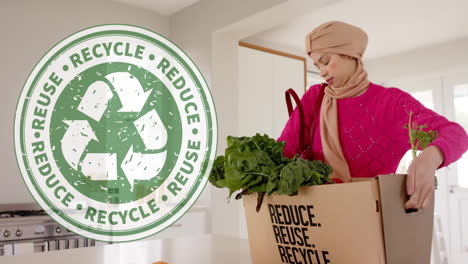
pixel 371 130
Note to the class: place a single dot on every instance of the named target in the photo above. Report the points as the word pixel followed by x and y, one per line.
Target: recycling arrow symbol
pixel 103 166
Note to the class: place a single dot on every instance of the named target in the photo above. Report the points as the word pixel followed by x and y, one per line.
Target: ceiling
pixel 163 7
pixel 392 26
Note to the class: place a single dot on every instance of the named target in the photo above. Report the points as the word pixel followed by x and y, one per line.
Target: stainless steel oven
pixel 25 228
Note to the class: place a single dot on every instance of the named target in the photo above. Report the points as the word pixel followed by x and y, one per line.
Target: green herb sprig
pixel 419 138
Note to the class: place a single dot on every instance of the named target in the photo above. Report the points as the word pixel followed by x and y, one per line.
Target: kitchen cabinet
pixel 193 223
pixel 198 249
pixel 263 79
pixel 264 76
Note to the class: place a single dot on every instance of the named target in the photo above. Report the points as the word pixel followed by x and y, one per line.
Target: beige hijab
pixel 340 38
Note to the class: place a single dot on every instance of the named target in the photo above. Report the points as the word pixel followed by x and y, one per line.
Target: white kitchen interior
pixel 250 52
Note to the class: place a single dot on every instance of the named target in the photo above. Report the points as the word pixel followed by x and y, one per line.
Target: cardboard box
pixel 361 222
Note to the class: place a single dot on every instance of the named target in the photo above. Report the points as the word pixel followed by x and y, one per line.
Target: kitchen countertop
pixel 205 249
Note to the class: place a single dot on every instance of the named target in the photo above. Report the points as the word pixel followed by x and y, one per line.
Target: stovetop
pixel 28 228
pixel 27 221
pixel 21 213
pixel 20 207
pixel 14 213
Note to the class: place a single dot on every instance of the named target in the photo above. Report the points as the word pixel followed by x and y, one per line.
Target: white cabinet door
pixel 287 73
pixel 263 80
pixel 255 92
pixel 456 96
pixel 192 223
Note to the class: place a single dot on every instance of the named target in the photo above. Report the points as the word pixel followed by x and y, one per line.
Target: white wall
pixel 192 29
pixel 432 61
pixel 209 32
pixel 28 30
pixel 288 49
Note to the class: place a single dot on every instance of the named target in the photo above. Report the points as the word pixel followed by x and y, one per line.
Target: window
pixel 460 98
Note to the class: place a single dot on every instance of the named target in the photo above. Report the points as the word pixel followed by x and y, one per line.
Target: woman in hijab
pixel 361 131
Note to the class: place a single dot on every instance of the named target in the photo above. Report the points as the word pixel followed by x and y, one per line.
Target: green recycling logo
pixel 111 134
pixel 115 133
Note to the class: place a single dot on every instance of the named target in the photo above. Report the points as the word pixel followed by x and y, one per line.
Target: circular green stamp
pixel 115 133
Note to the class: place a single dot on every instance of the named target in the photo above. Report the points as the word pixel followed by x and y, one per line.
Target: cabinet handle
pixel 452 189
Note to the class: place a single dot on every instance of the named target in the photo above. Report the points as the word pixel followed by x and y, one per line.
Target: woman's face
pixel 336 69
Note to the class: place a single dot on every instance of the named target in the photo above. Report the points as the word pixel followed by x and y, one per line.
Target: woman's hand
pixel 421 174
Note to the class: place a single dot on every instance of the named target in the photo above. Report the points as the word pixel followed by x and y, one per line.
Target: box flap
pixel 407 236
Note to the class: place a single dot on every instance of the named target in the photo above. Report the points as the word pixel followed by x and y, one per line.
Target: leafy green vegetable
pixel 217 173
pixel 256 164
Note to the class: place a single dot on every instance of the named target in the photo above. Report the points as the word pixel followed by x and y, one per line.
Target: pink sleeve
pixel 290 132
pixel 452 140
